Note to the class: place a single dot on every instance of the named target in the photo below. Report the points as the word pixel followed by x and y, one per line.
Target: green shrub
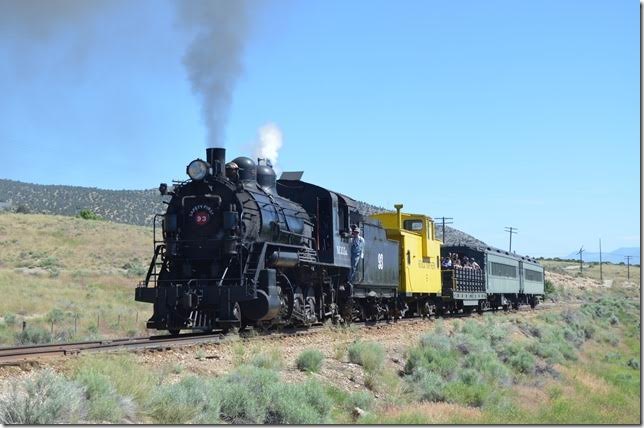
pixel 254 395
pixel 310 360
pixel 304 403
pixel 127 376
pixel 49 262
pixel 55 316
pixel 134 270
pixel 268 360
pixel 192 400
pixel 246 394
pixel 10 319
pixel 440 359
pixel 33 335
pixel 47 398
pixel 104 403
pixel 633 363
pixel 548 288
pixel 487 364
pixel 523 362
pixel 369 355
pixel 426 385
pixel 88 214
pixel 361 399
pixel 475 394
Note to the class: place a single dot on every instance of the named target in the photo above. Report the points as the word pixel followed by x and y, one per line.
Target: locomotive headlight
pixel 197 169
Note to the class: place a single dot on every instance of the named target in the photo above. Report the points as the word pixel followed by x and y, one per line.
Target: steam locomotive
pixel 239 247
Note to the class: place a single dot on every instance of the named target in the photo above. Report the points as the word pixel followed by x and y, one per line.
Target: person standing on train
pixel 357 251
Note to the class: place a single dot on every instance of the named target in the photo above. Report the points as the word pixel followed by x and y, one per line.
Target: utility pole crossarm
pixel 512 230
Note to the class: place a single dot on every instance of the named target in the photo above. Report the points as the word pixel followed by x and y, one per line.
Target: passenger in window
pixel 457 261
pixel 475 265
pixel 466 263
pixel 357 251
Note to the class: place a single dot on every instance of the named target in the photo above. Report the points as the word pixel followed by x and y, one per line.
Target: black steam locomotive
pixel 241 248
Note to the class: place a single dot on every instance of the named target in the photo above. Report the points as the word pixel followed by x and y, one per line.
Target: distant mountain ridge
pixel 130 206
pixel 615 256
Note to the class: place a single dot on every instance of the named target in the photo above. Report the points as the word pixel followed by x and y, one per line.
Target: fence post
pixel 75 319
pixel 24 325
pixel 118 321
pixel 137 317
pixel 52 326
pixel 98 321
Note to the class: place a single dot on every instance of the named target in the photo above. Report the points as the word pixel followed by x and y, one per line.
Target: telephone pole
pixel 601 277
pixel 512 230
pixel 580 252
pixel 444 222
pixel 628 267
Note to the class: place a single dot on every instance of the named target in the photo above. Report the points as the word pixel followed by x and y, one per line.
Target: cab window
pixel 413 225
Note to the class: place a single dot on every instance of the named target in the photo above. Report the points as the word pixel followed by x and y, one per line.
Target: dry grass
pixel 76 267
pixel 74 243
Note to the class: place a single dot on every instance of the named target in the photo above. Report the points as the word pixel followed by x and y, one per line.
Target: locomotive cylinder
pixel 283 260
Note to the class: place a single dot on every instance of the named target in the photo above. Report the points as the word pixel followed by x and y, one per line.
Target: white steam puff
pixel 214 58
pixel 269 142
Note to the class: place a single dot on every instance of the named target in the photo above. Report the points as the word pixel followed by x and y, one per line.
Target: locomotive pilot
pixel 357 251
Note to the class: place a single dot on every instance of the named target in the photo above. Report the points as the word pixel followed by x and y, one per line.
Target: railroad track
pixel 22 354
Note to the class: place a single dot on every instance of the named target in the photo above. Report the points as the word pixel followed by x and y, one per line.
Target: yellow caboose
pixel 420 268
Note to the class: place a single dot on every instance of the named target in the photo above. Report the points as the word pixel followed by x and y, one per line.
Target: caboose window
pixel 413 225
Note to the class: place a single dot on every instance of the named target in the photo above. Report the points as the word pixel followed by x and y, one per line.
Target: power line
pixel 580 252
pixel 444 222
pixel 512 230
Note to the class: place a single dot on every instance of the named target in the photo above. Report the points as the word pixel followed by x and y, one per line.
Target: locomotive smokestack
pixel 216 157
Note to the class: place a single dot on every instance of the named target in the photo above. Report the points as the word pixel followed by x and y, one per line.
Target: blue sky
pixel 496 113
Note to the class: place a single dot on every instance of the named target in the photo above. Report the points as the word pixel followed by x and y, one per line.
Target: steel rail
pixel 18 354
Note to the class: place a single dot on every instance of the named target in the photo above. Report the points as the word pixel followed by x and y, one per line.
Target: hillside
pixel 66 278
pixel 136 207
pixel 121 206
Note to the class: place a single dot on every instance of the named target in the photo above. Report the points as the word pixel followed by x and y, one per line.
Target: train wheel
pixel 174 331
